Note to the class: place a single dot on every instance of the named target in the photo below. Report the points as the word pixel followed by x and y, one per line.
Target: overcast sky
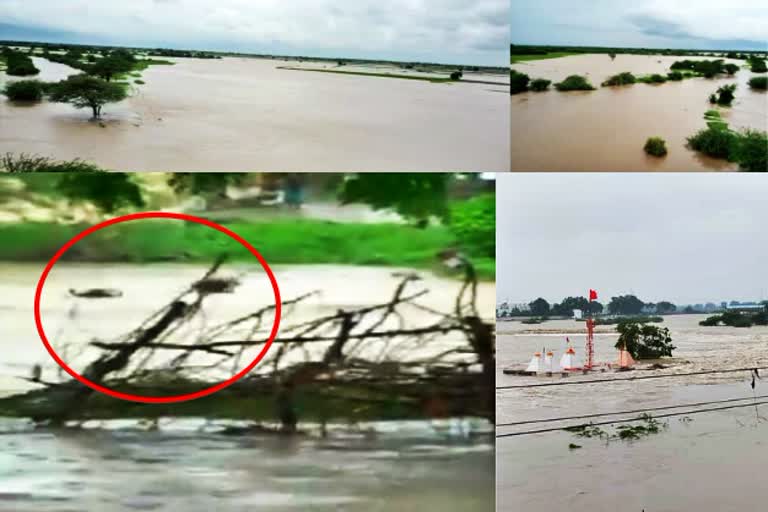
pixel 705 24
pixel 454 31
pixel 688 238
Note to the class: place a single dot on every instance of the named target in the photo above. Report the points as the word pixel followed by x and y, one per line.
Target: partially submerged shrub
pixel 758 65
pixel 751 151
pixel 759 83
pixel 731 69
pixel 724 95
pixel 456 75
pixel 714 142
pixel 675 75
pixel 24 90
pixel 540 85
pixel 575 83
pixel 518 82
pixel 656 146
pixel 620 79
pixel 653 79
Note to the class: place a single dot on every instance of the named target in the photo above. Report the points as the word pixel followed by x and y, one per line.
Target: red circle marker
pixel 157 399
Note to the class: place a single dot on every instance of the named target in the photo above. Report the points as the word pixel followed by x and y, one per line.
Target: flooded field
pixel 606 129
pixel 674 470
pixel 246 114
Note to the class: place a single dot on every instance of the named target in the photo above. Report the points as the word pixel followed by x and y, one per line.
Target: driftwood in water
pixel 361 358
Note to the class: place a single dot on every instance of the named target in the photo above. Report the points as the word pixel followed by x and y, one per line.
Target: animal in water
pixel 37 373
pixel 96 293
pixel 215 285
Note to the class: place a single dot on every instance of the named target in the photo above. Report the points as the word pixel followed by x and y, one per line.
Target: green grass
pixel 279 242
pixel 382 75
pixel 554 55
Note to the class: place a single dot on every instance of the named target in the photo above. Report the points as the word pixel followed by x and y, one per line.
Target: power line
pixel 642 377
pixel 640 418
pixel 635 411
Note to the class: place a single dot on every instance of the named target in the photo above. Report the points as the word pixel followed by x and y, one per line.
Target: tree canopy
pixel 84 91
pixel 625 305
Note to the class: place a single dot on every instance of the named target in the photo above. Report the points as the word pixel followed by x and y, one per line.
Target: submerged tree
pixel 644 341
pixel 83 91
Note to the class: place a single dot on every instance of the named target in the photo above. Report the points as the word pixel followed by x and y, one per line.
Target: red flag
pixel 592 294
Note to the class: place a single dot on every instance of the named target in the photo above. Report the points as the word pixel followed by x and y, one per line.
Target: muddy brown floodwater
pixel 606 129
pixel 246 114
pixel 711 462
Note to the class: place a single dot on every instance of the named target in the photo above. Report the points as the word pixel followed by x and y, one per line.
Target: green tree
pixel 83 91
pixel 474 223
pixel 415 196
pixel 108 191
pixel 644 341
pixel 664 308
pixel 539 307
pixel 625 305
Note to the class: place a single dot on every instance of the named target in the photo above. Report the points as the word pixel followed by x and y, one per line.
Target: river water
pixel 189 464
pixel 248 115
pixel 606 129
pixel 675 470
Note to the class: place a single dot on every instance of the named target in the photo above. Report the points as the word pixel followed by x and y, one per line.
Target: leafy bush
pixel 644 341
pixel 715 142
pixel 751 151
pixel 759 82
pixel 18 64
pixel 575 83
pixel 731 69
pixel 758 65
pixel 540 85
pixel 656 146
pixel 24 90
pixel 724 95
pixel 707 68
pixel 675 75
pixel 518 82
pixel 653 79
pixel 456 75
pixel 474 224
pixel 620 79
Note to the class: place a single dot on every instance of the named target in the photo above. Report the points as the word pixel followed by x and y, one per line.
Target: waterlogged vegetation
pixel 759 83
pixel 737 319
pixel 575 83
pixel 748 148
pixel 724 96
pixel 17 63
pixel 745 146
pixel 656 146
pixel 648 425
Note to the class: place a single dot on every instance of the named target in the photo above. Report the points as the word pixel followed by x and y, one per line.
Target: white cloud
pixel 429 26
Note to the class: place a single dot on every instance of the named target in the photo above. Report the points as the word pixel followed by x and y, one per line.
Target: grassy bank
pixel 280 242
pixel 382 75
pixel 553 55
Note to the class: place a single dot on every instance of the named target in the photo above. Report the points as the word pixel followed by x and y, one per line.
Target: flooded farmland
pixel 606 129
pixel 670 471
pixel 246 114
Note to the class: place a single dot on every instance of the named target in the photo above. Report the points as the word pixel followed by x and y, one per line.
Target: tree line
pixel 624 305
